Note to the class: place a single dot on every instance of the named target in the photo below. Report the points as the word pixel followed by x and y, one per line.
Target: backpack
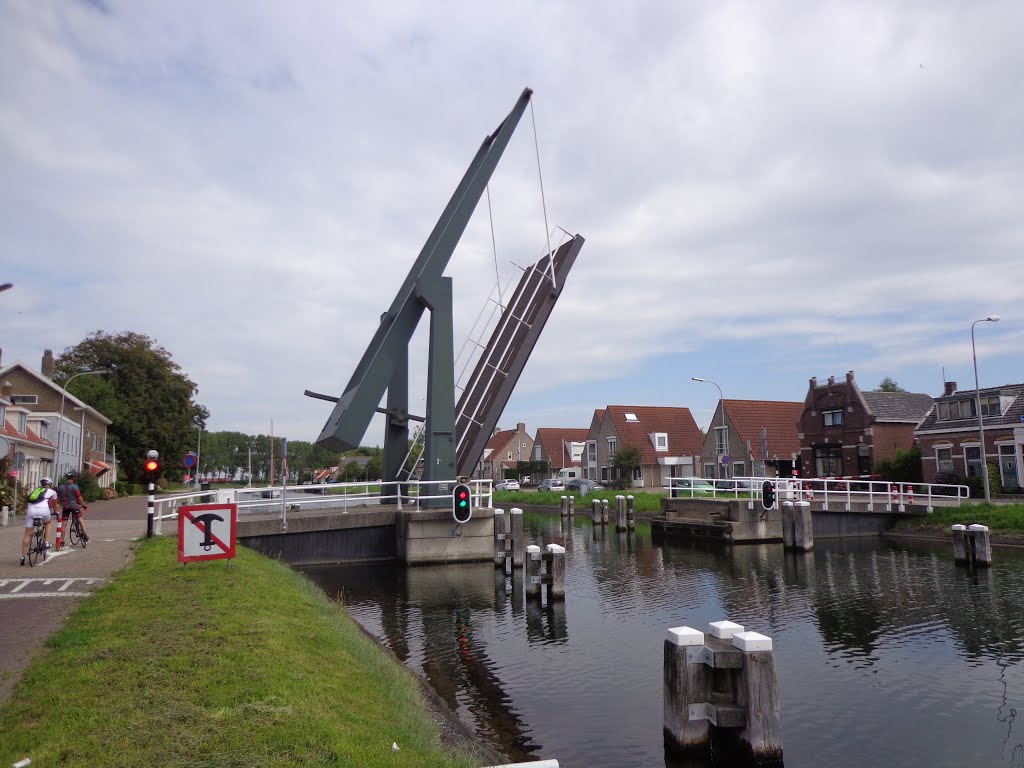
pixel 39 494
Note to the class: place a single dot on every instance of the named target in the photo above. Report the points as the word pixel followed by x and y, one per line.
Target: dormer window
pixel 990 406
pixel 960 409
pixel 660 440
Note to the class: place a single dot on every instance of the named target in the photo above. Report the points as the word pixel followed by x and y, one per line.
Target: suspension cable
pixel 543 202
pixel 494 246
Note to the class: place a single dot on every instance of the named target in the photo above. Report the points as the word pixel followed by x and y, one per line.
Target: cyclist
pixel 71 502
pixel 41 508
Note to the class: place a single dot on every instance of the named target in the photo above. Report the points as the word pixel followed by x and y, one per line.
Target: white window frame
pixel 661 441
pixel 591 451
pixel 630 416
pixel 938 458
pixel 721 440
pixel 613 443
pixel 509 456
pixel 978 463
pixel 987 403
pixel 21 422
pixel 832 418
pixel 709 469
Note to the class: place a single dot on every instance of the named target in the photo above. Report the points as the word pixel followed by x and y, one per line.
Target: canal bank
pixel 243 665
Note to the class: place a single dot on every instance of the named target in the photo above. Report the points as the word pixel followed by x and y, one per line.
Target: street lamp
pixel 725 431
pixel 60 424
pixel 977 396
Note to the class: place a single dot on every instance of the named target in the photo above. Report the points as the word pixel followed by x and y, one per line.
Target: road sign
pixel 725 459
pixel 189 461
pixel 206 532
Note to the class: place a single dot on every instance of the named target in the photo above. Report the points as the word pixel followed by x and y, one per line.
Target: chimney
pixel 950 389
pixel 521 426
pixel 831 380
pixel 47 366
pixel 7 390
pixel 814 381
pixel 849 377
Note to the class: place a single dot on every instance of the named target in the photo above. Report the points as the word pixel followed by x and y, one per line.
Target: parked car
pixel 554 484
pixel 692 486
pixel 583 485
pixel 506 485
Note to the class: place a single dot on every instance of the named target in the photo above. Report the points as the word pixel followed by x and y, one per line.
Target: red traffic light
pixel 151 465
pixel 462 503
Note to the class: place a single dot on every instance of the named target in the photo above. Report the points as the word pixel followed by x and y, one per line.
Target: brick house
pixel 560 447
pixel 504 450
pixel 83 430
pixel 950 438
pixel 26 434
pixel 845 432
pixel 667 437
pixel 741 439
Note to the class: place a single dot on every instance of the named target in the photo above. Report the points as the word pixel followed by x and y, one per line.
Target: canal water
pixel 887 654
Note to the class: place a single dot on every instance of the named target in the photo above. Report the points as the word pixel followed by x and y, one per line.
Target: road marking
pixel 44 594
pixel 20 586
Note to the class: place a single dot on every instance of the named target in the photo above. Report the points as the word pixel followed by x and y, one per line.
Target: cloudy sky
pixel 769 190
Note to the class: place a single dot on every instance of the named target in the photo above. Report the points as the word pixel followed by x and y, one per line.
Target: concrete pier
pixel 630 513
pixel 620 513
pixel 797 527
pixel 518 542
pixel 501 539
pixel 972 545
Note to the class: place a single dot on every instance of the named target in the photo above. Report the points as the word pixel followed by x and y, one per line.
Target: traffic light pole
pixel 150 508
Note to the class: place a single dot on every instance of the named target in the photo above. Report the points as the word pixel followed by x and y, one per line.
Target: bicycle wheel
pixel 76 532
pixel 36 546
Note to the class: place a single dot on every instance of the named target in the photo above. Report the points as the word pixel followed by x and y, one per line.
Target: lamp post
pixel 977 396
pixel 60 424
pixel 725 430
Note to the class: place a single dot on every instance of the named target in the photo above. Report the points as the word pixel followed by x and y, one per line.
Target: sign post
pixel 206 532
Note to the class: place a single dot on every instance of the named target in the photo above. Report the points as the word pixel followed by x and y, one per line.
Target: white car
pixel 507 485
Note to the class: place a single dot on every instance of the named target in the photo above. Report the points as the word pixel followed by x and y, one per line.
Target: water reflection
pixel 886 654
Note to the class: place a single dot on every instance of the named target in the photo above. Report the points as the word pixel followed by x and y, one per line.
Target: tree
pixel 625 461
pixel 145 394
pixel 889 385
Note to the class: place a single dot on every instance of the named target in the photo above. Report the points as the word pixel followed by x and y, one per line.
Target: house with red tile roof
pixel 26 435
pixel 504 451
pixel 759 437
pixel 667 437
pixel 560 447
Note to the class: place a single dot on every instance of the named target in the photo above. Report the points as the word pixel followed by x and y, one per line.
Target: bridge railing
pixel 276 498
pixel 833 493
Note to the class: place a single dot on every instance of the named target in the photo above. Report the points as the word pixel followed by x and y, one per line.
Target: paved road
pixel 35 601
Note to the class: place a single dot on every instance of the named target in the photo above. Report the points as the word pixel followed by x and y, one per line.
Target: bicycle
pixel 75 532
pixel 37 545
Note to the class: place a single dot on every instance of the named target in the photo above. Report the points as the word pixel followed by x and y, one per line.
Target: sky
pixel 769 191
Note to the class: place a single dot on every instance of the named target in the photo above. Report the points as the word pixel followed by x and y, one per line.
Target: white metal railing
pixel 277 498
pixel 830 492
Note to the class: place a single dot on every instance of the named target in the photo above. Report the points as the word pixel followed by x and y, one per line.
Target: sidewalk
pixel 35 601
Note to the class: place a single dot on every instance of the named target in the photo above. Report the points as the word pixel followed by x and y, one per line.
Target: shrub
pixel 89 488
pixel 905 468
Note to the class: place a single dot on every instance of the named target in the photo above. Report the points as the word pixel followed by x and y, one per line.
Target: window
pixel 22 419
pixel 944 459
pixel 738 469
pixel 962 409
pixel 631 416
pixel 612 444
pixel 510 455
pixel 828 460
pixel 721 440
pixel 709 469
pixel 990 406
pixel 40 429
pixel 25 399
pixel 592 451
pixel 523 444
pixel 972 460
pixel 661 441
pixel 833 418
pixel 3 416
pixel 604 474
pixel 638 473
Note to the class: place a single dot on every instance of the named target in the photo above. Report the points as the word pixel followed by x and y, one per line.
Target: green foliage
pixel 145 393
pixel 535 470
pixel 1000 518
pixel 889 385
pixel 625 461
pixel 905 468
pixel 90 489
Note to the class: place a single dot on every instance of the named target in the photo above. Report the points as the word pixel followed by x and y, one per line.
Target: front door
pixel 1008 467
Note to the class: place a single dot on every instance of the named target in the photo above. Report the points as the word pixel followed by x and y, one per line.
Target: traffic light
pixel 462 503
pixel 768 494
pixel 152 464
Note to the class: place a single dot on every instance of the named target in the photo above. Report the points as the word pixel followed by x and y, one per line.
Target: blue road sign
pixel 189 460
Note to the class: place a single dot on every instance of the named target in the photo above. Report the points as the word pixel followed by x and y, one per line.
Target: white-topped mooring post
pixel 595 511
pixel 518 542
pixel 620 513
pixel 604 511
pixel 757 691
pixel 788 525
pixel 981 544
pixel 803 526
pixel 500 538
pixel 555 558
pixel 685 684
pixel 533 563
pixel 630 513
pixel 572 506
pixel 565 506
pixel 960 544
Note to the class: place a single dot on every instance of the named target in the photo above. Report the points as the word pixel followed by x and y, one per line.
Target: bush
pixel 89 488
pixel 905 468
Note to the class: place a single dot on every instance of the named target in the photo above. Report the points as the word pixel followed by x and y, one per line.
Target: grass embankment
pixel 1002 519
pixel 206 665
pixel 642 502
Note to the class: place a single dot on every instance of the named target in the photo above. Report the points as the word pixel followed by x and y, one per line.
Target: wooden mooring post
pixel 595 511
pixel 501 539
pixel 518 542
pixel 545 568
pixel 572 506
pixel 630 513
pixel 604 511
pixel 565 506
pixel 797 527
pixel 620 513
pixel 722 680
pixel 972 545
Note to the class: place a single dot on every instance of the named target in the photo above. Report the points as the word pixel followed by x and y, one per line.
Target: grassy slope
pixel 643 502
pixel 1000 518
pixel 209 666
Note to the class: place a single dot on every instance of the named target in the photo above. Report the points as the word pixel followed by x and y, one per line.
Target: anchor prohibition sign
pixel 206 532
